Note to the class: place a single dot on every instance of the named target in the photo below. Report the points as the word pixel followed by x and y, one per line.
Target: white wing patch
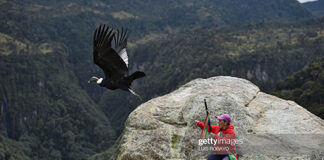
pixel 124 56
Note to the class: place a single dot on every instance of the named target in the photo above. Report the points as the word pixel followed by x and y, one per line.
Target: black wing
pixel 121 43
pixel 106 57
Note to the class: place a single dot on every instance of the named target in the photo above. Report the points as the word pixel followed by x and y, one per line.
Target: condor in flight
pixel 114 62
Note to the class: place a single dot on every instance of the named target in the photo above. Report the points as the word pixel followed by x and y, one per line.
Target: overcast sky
pixel 303 1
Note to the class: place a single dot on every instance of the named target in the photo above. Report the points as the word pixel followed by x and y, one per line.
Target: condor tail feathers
pixel 136 75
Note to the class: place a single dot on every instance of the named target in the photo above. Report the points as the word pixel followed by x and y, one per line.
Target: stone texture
pixel 164 128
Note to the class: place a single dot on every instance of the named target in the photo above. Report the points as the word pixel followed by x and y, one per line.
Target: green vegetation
pixel 261 52
pixel 46 60
pixel 48 114
pixel 306 87
pixel 10 150
pixel 174 141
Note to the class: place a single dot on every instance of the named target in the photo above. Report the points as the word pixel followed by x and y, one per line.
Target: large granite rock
pixel 267 127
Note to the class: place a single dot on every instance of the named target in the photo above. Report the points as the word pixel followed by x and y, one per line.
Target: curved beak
pixel 93 79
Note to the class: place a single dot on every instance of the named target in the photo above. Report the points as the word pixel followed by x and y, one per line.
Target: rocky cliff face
pixel 267 127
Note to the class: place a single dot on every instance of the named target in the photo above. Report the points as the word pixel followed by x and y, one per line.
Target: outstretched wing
pixel 106 57
pixel 121 43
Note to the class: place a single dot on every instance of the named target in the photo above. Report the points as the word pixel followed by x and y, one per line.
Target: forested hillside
pixel 306 87
pixel 49 111
pixel 44 112
pixel 263 53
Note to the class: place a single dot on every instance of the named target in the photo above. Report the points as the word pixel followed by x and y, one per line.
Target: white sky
pixel 303 1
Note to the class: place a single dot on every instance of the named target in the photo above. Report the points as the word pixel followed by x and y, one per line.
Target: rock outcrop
pixel 267 127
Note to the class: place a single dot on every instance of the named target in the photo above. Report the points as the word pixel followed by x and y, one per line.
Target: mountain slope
pixel 72 23
pixel 306 87
pixel 316 7
pixel 263 53
pixel 44 110
pixel 52 40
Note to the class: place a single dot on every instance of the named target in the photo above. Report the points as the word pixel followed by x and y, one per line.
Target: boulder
pixel 266 126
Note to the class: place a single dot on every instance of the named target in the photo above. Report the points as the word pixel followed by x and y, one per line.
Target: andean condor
pixel 114 62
